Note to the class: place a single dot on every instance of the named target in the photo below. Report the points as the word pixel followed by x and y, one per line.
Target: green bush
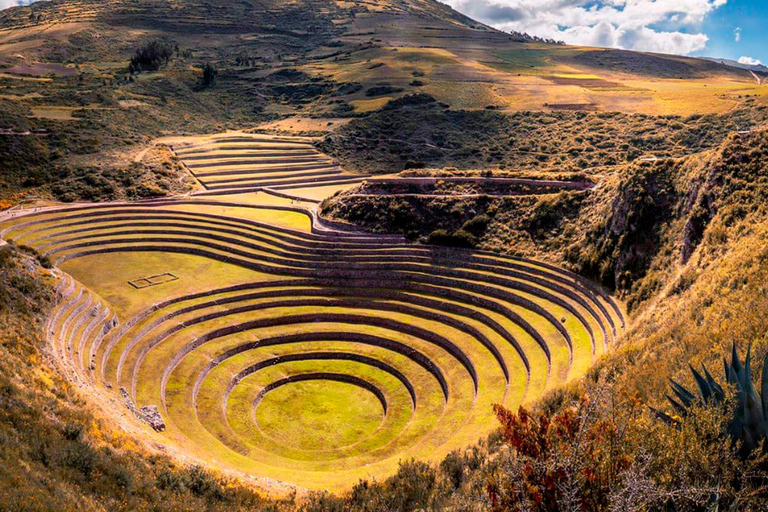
pixel 459 238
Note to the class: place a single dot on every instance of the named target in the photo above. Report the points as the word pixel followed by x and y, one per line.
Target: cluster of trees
pixel 152 56
pixel 157 53
pixel 524 37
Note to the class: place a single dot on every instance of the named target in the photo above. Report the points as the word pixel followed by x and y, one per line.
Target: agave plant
pixel 749 424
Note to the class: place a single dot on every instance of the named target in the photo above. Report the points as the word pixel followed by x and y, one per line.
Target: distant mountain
pixel 317 58
pixel 759 68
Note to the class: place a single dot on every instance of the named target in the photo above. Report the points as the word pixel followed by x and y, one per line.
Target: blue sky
pixel 733 29
pixel 751 17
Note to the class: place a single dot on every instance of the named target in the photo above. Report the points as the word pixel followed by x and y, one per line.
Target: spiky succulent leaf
pixel 683 410
pixel 764 388
pixel 749 423
pixel 753 414
pixel 717 391
pixel 666 418
pixel 705 390
pixel 735 362
pixel 685 396
pixel 730 376
pixel 748 442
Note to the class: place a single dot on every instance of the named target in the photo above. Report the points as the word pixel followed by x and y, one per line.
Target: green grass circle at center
pixel 319 414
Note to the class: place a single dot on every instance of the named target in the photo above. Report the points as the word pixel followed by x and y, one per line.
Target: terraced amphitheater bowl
pixel 283 348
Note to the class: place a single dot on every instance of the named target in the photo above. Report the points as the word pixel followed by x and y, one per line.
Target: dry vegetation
pixel 638 223
pixel 419 132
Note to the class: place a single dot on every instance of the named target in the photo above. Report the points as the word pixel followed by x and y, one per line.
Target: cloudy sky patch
pixel 749 61
pixel 4 4
pixel 665 26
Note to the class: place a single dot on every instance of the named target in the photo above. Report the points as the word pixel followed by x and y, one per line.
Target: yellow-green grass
pixel 235 162
pixel 44 236
pixel 447 425
pixel 47 239
pixel 370 105
pixel 561 354
pixel 429 399
pixel 471 95
pixel 277 155
pixel 109 232
pixel 516 370
pixel 240 415
pixel 319 192
pixel 316 415
pixel 158 358
pixel 208 376
pixel 108 275
pixel 518 77
pixel 291 220
pixel 302 178
pixel 594 329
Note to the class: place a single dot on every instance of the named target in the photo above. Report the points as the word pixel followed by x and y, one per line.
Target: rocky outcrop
pixel 149 414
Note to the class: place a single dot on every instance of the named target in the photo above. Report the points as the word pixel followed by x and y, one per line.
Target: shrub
pixel 748 423
pixel 453 467
pixel 459 238
pixel 477 224
pixel 411 100
pixel 202 483
pixel 168 480
pixel 80 456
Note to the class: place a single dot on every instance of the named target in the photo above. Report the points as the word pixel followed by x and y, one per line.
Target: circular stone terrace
pixel 280 346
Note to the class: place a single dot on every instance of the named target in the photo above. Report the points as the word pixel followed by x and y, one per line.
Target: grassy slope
pixel 715 296
pixel 701 303
pixel 653 229
pixel 428 135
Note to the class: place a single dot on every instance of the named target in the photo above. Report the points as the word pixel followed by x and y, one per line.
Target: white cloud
pixel 737 34
pixel 665 26
pixel 749 61
pixel 4 4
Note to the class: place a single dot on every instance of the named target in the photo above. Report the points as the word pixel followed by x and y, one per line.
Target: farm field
pixel 254 326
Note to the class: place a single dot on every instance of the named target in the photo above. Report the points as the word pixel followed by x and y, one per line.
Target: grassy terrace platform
pixel 287 348
pixel 240 162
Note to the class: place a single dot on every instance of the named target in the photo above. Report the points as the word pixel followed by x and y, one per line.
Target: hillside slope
pixel 70 105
